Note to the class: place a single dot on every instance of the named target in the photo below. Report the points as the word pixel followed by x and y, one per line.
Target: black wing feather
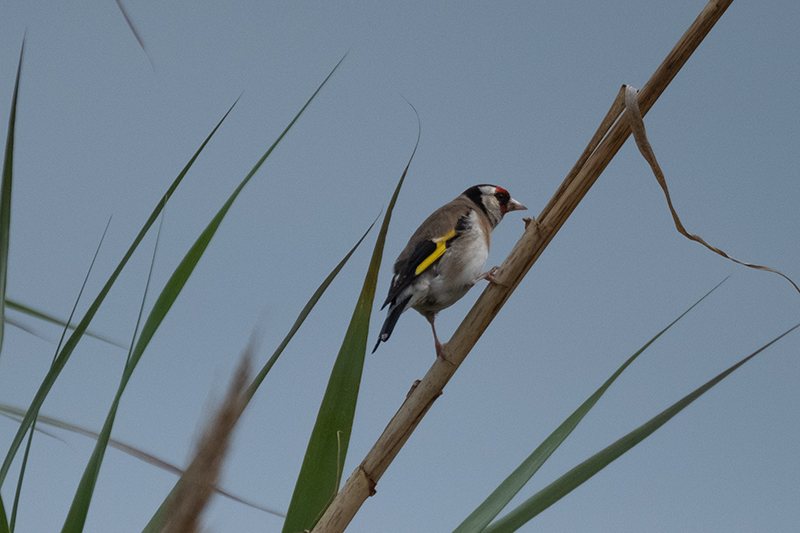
pixel 405 272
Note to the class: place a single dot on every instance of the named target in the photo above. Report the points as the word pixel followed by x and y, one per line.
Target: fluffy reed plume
pixel 197 484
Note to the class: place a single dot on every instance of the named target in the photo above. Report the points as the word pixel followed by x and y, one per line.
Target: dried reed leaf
pixel 636 123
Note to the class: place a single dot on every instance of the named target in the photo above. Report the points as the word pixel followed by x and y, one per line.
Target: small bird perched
pixel 445 256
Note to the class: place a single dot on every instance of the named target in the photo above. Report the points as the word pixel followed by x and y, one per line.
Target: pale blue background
pixel 508 93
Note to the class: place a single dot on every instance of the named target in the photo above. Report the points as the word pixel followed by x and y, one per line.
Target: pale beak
pixel 514 205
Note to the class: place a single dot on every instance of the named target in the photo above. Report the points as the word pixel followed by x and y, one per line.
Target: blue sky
pixel 507 93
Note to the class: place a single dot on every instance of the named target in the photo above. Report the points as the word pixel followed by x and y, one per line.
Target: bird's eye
pixel 503 197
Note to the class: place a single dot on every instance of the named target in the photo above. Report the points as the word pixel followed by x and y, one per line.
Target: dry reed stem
pixel 536 237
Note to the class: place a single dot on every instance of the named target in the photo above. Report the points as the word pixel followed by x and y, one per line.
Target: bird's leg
pixel 439 345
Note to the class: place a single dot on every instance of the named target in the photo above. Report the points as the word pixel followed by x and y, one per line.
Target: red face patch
pixel 502 198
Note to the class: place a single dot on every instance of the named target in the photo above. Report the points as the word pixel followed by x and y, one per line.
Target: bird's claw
pixel 491 276
pixel 441 351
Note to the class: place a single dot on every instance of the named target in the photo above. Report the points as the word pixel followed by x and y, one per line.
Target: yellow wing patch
pixel 441 247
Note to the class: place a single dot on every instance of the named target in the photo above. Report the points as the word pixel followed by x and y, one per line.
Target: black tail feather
pixel 391 320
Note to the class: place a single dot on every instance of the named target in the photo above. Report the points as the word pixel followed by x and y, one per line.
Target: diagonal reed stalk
pixel 601 150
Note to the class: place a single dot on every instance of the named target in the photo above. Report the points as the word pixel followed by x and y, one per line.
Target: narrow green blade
pixel 155 524
pixel 3 518
pixel 80 504
pixel 80 329
pixel 321 472
pixel 575 477
pixel 301 318
pixel 83 496
pixel 5 196
pixel 497 500
pixel 26 453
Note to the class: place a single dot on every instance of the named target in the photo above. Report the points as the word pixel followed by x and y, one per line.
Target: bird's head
pixel 494 201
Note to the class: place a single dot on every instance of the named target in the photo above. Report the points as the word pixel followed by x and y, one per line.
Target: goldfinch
pixel 445 256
